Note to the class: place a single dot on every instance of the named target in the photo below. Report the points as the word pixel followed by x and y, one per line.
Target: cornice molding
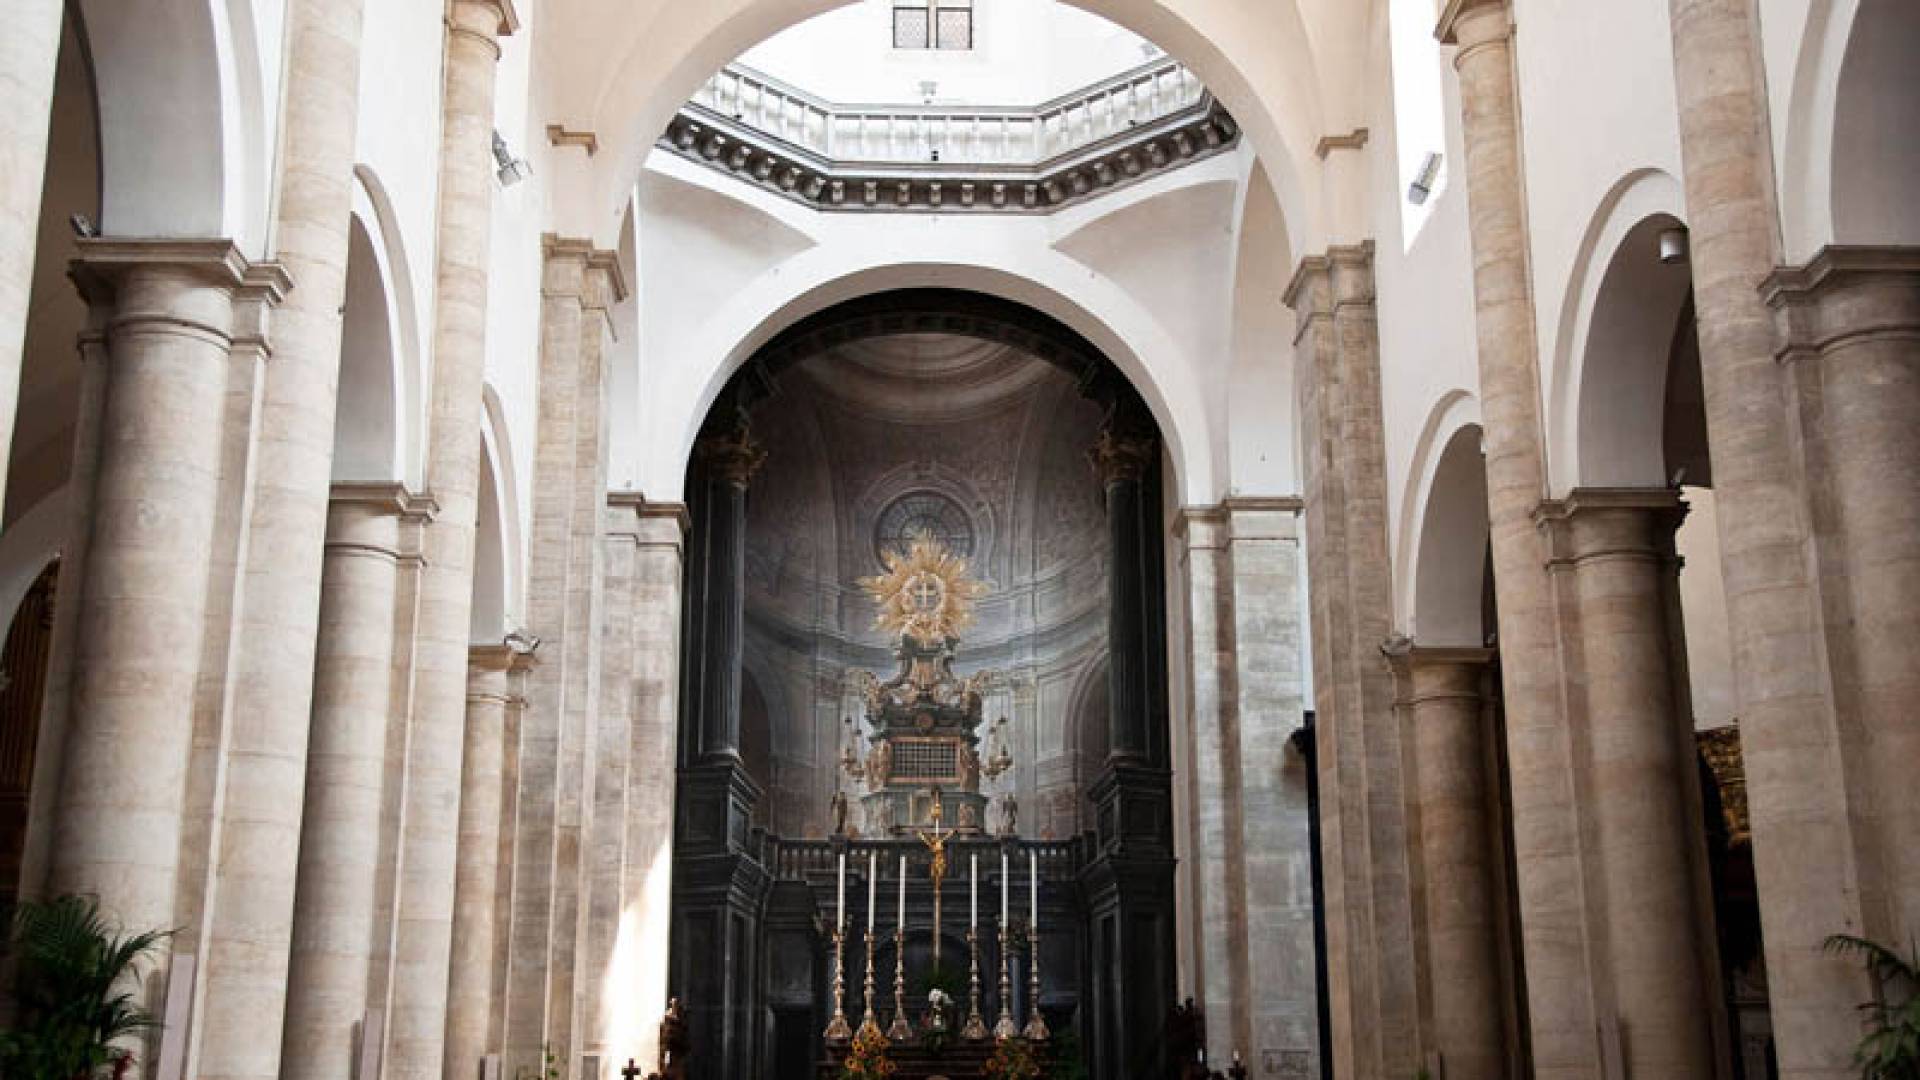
pixel 704 137
pixel 410 506
pixel 1447 29
pixel 1353 140
pixel 560 135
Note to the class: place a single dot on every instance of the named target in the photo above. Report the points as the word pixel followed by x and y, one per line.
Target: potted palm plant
pixel 1890 1049
pixel 74 992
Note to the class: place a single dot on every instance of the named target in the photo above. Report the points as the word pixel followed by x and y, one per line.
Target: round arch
pixel 185 118
pixel 1443 531
pixel 1093 309
pixel 496 552
pixel 1616 329
pixel 1848 162
pixel 1255 57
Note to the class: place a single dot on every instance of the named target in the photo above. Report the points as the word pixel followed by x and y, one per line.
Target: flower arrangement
pixel 867 1058
pixel 1013 1059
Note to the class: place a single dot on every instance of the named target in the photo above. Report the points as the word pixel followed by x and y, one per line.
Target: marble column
pixel 1126 450
pixel 1849 322
pixel 250 921
pixel 118 814
pixel 482 808
pixel 346 772
pixel 1806 825
pixel 1546 815
pixel 423 929
pixel 1251 845
pixel 1647 839
pixel 28 52
pixel 1454 792
pixel 647 891
pixel 718 887
pixel 1369 897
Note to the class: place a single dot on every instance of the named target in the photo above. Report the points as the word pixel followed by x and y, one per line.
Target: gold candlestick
pixel 837 1029
pixel 900 1030
pixel 1036 1024
pixel 869 1024
pixel 1004 1028
pixel 976 1028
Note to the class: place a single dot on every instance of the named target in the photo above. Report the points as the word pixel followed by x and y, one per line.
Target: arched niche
pixel 1451 583
pixel 496 548
pixel 1623 373
pixel 366 433
pixel 1875 166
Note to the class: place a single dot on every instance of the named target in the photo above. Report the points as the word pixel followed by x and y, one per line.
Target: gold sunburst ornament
pixel 926 592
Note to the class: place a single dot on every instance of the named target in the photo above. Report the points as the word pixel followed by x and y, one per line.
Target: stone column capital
pixel 1472 23
pixel 733 454
pixel 1437 672
pixel 1341 276
pixel 1592 523
pixel 492 18
pixel 1123 456
pixel 1844 292
pixel 396 499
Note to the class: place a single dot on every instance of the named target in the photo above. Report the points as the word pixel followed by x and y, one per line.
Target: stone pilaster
pixel 483 804
pixel 1546 818
pixel 28 54
pixel 552 614
pixel 604 878
pixel 423 907
pixel 647 892
pixel 1849 323
pixel 1807 835
pixel 1251 845
pixel 168 316
pixel 347 769
pixel 1368 895
pixel 250 917
pixel 1454 794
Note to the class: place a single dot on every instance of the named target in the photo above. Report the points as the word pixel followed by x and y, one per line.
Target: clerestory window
pixel 933 24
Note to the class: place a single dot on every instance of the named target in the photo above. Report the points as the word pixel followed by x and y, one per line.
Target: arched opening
pixel 897 534
pixel 23 685
pixel 1876 159
pixel 366 433
pixel 41 455
pixel 491 593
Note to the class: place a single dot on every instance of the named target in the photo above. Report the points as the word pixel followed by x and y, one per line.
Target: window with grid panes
pixel 933 24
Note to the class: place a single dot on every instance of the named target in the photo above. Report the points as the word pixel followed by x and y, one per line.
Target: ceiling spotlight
pixel 511 169
pixel 1424 180
pixel 1673 245
pixel 83 226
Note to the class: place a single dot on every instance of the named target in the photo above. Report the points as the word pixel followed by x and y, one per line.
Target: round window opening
pixel 923 512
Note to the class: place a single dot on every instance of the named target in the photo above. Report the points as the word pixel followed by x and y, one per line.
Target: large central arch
pixel 1095 310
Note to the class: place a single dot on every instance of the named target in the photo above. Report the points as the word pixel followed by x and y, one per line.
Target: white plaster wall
pixel 1428 354
pixel 521 214
pixel 397 145
pixel 1025 52
pixel 1590 116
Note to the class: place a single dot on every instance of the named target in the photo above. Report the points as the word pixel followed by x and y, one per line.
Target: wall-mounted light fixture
pixel 1424 180
pixel 1673 245
pixel 511 169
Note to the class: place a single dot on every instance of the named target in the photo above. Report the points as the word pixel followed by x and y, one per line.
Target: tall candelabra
pixel 900 1030
pixel 869 1024
pixel 976 1028
pixel 837 1029
pixel 1004 1028
pixel 1036 1024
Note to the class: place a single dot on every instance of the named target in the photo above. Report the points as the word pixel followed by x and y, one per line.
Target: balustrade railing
pixel 799 860
pixel 923 134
